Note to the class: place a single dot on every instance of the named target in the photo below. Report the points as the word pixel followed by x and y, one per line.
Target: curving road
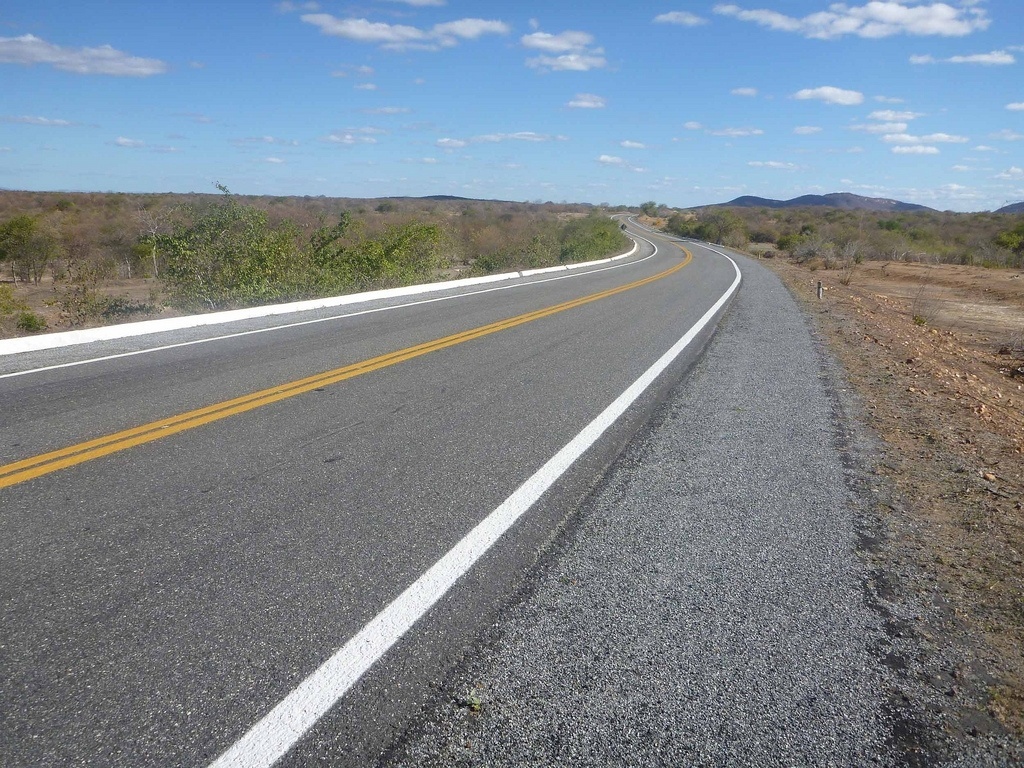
pixel 193 533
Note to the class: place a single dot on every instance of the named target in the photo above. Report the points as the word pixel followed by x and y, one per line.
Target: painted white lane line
pixel 239 334
pixel 281 728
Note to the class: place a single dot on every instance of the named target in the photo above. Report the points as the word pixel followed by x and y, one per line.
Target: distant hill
pixel 843 200
pixel 1013 208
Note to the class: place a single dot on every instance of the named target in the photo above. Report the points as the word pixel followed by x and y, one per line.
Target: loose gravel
pixel 708 605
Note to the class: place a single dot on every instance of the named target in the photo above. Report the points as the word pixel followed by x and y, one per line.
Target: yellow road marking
pixel 35 466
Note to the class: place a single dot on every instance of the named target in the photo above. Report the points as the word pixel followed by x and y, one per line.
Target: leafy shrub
pixel 31 322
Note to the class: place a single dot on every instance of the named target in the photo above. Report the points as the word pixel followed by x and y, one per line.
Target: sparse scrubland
pixel 74 259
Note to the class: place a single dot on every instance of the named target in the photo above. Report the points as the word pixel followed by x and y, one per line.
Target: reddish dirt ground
pixel 935 354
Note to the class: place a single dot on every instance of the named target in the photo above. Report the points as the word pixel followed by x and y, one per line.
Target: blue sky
pixel 686 103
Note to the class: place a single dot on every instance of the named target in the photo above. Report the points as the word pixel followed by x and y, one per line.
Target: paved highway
pixel 276 544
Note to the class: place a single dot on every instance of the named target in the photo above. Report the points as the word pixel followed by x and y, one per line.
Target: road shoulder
pixel 708 604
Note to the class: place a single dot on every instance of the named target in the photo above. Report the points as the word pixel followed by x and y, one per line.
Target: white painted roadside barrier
pixel 141 328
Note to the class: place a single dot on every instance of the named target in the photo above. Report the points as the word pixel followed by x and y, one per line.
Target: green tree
pixel 230 255
pixel 650 208
pixel 1013 241
pixel 27 246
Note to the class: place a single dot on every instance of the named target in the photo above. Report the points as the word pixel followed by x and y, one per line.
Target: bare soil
pixel 935 354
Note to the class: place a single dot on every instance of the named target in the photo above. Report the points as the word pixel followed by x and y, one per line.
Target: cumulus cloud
pixel 121 141
pixel 401 37
pixel 993 58
pixel 450 143
pixel 682 18
pixel 1007 135
pixel 632 145
pixel 492 138
pixel 587 101
pixel 1013 172
pixel 744 91
pixel 692 125
pixel 893 115
pixel 102 60
pixel 50 122
pixel 876 19
pixel 888 100
pixel 932 138
pixel 831 95
pixel 618 162
pixel 274 160
pixel 806 130
pixel 774 164
pixel 880 127
pixel 1017 106
pixel 266 140
pixel 915 149
pixel 350 138
pixel 569 51
pixel 366 87
pixel 737 133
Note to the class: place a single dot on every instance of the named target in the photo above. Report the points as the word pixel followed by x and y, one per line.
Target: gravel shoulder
pixel 714 601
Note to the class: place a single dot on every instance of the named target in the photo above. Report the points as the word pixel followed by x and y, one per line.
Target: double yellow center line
pixel 27 469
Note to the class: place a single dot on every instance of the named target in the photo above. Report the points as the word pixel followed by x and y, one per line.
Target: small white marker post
pixel 821 291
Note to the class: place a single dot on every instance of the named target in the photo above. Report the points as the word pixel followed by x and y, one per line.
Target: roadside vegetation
pixel 68 260
pixel 840 238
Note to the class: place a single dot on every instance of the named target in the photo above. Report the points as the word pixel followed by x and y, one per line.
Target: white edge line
pixel 281 728
pixel 125 330
pixel 237 334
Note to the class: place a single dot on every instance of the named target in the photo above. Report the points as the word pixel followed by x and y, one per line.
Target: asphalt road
pixel 160 595
pixel 707 608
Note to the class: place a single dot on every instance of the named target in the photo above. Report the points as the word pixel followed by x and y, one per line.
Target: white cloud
pixel 102 60
pixel 933 138
pixel 806 130
pixel 350 138
pixel 35 120
pixel 366 87
pixel 692 125
pixel 564 42
pixel 1007 135
pixel 121 141
pixel 744 91
pixel 1013 172
pixel 387 111
pixel 994 58
pixel 570 51
pixel 683 18
pixel 983 148
pixel 915 149
pixel 451 143
pixel 266 140
pixel 632 145
pixel 618 162
pixel 831 95
pixel 736 133
pixel 1017 106
pixel 876 19
pixel 888 100
pixel 962 168
pixel 401 37
pixel 892 115
pixel 421 3
pixel 492 138
pixel 880 127
pixel 587 101
pixel 774 164
pixel 274 160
